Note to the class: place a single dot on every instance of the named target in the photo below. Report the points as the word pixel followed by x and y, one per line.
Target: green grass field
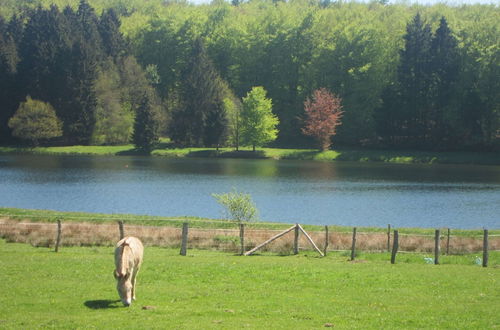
pixel 358 155
pixel 213 290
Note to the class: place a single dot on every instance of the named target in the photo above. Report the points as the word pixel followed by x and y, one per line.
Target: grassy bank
pixel 195 222
pixel 360 155
pixel 212 290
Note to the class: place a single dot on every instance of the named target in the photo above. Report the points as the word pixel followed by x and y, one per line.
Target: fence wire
pixel 87 234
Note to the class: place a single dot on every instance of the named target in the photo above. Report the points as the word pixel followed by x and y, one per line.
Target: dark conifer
pixel 445 69
pixel 415 77
pixel 146 126
pixel 8 86
pixel 112 38
pixel 200 119
pixel 81 100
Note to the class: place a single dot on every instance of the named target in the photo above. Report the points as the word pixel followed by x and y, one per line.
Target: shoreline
pixel 353 155
pixel 51 216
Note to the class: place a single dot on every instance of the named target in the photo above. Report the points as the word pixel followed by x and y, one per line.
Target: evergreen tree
pixel 200 119
pixel 44 40
pixel 81 98
pixel 8 86
pixel 388 116
pixel 415 79
pixel 445 69
pixel 146 126
pixel 89 28
pixel 112 38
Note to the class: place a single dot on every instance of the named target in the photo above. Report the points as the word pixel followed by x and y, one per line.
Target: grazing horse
pixel 128 260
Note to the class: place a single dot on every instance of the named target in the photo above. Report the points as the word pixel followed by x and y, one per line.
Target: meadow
pixel 214 290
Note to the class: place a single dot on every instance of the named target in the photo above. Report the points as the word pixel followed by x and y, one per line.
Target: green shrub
pixel 238 206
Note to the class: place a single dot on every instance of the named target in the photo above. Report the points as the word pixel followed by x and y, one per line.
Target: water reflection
pixel 308 192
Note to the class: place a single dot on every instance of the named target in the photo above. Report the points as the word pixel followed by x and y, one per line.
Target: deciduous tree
pixel 323 115
pixel 258 123
pixel 35 120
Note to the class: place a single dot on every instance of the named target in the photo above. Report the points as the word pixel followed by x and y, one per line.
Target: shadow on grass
pixel 259 154
pixel 102 304
pixel 246 154
pixel 301 155
pixel 133 152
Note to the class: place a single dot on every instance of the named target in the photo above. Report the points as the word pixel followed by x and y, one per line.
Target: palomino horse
pixel 128 260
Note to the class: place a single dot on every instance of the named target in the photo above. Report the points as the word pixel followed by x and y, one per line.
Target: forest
pixel 121 71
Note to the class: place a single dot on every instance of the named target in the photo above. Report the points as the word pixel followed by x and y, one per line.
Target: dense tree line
pixel 408 76
pixel 78 63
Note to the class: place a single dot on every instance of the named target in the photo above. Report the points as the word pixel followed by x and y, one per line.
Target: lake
pixel 323 193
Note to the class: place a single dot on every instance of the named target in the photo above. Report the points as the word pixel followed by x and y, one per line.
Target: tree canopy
pixel 408 75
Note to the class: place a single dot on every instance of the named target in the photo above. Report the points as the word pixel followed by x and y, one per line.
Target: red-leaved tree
pixel 323 115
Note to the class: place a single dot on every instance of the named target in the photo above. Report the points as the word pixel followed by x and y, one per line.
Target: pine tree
pixel 389 120
pixel 415 78
pixel 44 40
pixel 445 70
pixel 9 95
pixel 146 126
pixel 112 38
pixel 200 119
pixel 81 98
pixel 89 28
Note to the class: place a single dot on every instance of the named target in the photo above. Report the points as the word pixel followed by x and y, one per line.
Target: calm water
pixel 288 191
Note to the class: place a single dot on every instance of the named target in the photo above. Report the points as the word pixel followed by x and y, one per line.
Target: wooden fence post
pixel 395 247
pixel 437 246
pixel 59 231
pixel 353 247
pixel 296 240
pixel 120 227
pixel 485 248
pixel 242 238
pixel 326 241
pixel 184 238
pixel 448 242
pixel 389 238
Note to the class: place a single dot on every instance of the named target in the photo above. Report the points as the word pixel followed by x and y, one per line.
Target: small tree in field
pixel 35 120
pixel 238 206
pixel 323 115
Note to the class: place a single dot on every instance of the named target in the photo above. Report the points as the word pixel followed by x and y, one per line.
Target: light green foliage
pixel 233 106
pixel 75 288
pixel 258 123
pixel 35 120
pixel 238 206
pixel 114 119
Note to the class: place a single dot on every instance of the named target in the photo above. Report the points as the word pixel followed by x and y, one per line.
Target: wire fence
pixel 72 233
